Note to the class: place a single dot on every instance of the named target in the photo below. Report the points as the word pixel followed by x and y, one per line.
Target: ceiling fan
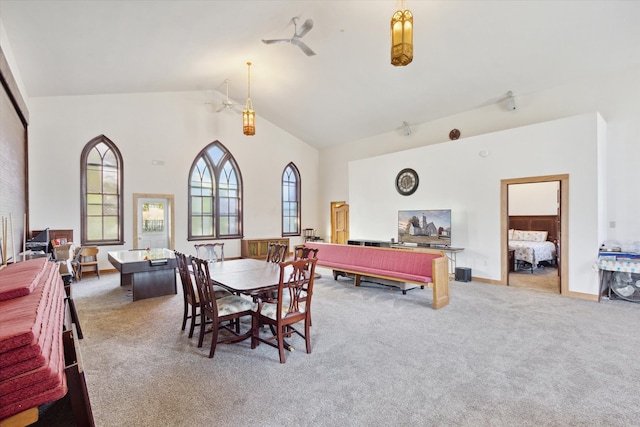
pixel 298 33
pixel 226 103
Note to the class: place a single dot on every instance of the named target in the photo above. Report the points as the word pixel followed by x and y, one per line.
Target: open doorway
pixel 553 225
pixel 533 210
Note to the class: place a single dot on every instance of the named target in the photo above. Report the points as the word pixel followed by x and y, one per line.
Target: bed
pixel 532 247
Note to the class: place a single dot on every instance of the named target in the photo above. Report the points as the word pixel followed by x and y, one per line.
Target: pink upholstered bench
pixel 396 265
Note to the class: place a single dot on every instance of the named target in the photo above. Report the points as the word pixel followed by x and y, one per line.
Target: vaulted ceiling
pixel 468 54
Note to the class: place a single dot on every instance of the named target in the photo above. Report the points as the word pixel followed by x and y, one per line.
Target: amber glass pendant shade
pixel 402 37
pixel 248 115
pixel 249 122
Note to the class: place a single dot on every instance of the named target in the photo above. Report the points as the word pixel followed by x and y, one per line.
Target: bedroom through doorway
pixel 533 233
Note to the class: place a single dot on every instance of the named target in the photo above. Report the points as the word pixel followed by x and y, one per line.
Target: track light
pixel 510 102
pixel 406 129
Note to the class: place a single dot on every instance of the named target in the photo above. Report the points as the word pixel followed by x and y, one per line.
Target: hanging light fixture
pixel 248 115
pixel 401 35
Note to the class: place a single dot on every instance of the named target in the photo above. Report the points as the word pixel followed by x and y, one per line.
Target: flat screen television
pixel 425 227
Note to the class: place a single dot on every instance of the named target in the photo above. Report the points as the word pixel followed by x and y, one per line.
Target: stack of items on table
pixel 32 307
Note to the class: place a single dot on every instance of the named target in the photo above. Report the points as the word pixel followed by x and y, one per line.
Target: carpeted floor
pixel 495 356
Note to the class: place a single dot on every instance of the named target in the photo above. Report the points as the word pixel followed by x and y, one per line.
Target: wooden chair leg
pixel 185 315
pixel 193 320
pixel 214 340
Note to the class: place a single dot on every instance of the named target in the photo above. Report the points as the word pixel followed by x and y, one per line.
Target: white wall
pixel 455 176
pixel 173 128
pixel 540 198
pixel 615 96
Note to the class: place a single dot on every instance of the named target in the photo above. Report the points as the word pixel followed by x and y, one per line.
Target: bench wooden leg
pixel 440 269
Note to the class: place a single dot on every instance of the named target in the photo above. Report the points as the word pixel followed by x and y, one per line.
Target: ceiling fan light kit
pixel 401 35
pixel 249 115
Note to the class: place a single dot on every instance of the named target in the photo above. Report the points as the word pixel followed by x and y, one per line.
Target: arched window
pixel 101 177
pixel 291 201
pixel 215 195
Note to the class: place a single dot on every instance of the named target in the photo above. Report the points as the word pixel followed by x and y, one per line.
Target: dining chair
pixel 291 305
pixel 86 260
pixel 219 311
pixel 276 252
pixel 189 294
pixel 303 252
pixel 212 252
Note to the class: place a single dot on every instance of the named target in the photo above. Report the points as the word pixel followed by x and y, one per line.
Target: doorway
pixel 558 283
pixel 339 222
pixel 153 221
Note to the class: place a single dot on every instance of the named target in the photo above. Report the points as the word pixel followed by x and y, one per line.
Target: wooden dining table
pixel 245 276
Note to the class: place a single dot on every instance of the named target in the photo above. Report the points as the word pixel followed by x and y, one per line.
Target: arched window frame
pixel 291 209
pixel 92 204
pixel 222 168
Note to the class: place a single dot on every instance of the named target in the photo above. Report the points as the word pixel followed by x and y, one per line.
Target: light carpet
pixel 495 356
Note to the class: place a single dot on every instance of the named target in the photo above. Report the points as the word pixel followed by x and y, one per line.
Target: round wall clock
pixel 407 181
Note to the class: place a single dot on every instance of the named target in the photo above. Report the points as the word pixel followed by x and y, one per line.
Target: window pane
pixel 110 227
pixel 94 158
pixel 224 206
pixel 196 205
pixel 207 226
pixel 110 160
pixel 233 207
pixel 94 180
pixel 94 228
pixel 233 225
pixel 207 205
pixel 196 226
pixel 110 182
pixel 224 225
pixel 94 210
pixel 215 153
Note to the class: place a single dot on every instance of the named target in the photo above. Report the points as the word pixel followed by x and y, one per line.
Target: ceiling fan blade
pixel 276 41
pixel 304 28
pixel 302 46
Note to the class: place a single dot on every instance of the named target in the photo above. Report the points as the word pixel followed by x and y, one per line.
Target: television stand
pixel 449 251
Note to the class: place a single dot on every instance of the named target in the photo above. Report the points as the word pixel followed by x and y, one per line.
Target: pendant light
pixel 401 35
pixel 248 115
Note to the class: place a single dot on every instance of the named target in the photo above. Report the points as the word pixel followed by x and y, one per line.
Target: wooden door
pixel 339 223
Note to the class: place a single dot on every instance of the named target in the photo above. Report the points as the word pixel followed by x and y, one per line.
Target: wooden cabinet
pixel 257 248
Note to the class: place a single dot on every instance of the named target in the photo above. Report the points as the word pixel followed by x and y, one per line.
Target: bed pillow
pixel 511 233
pixel 530 236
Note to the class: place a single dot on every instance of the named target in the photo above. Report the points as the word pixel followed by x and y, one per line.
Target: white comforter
pixel 533 252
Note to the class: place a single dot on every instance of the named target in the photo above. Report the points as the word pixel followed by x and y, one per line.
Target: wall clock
pixel 407 181
pixel 454 134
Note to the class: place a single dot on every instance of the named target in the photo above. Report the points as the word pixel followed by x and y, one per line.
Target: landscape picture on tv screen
pixel 425 227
